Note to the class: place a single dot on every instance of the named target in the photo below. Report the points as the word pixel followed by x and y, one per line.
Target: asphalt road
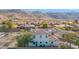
pixel 8 40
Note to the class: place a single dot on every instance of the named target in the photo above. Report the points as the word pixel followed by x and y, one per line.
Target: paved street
pixel 8 40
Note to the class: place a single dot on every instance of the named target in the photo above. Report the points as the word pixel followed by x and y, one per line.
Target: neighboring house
pixel 76 25
pixel 2 34
pixel 60 25
pixel 41 38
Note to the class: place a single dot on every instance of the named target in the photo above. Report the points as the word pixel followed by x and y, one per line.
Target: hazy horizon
pixel 53 10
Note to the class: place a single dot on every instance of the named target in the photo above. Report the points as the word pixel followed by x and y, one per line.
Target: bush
pixel 65 47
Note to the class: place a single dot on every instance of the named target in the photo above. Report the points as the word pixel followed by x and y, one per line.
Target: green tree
pixel 69 37
pixel 5 26
pixel 77 42
pixel 68 28
pixel 45 25
pixel 8 23
pixel 23 39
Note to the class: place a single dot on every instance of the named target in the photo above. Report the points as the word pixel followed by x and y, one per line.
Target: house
pixel 28 27
pixel 60 25
pixel 76 25
pixel 41 38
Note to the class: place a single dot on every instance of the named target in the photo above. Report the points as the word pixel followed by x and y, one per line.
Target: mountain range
pixel 50 13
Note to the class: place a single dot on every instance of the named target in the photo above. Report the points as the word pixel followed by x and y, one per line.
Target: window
pixel 40 42
pixel 36 43
pixel 33 42
pixel 51 42
pixel 46 42
pixel 46 36
pixel 40 36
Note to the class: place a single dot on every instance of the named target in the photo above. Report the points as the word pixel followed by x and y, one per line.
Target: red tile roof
pixel 39 31
pixel 53 37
